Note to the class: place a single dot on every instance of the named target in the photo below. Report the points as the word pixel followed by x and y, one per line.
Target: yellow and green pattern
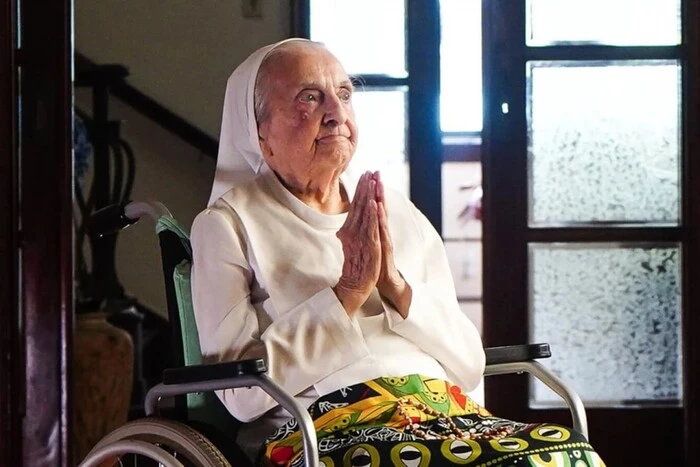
pixel 418 421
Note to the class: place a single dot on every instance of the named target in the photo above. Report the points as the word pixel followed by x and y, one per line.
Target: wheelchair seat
pixel 199 428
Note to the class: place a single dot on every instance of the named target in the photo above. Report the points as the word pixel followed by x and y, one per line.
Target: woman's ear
pixel 265 148
pixel 264 145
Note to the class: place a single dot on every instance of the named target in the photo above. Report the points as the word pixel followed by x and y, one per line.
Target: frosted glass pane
pixel 613 318
pixel 461 102
pixel 381 120
pixel 604 141
pixel 461 195
pixel 610 22
pixel 367 36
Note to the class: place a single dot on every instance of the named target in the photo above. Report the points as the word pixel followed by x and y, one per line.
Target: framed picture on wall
pixel 464 258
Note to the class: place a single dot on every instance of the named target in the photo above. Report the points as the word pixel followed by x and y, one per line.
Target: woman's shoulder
pixel 240 196
pixel 226 208
pixel 243 207
pixel 218 217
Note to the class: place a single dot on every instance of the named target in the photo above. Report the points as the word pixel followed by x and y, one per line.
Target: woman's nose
pixel 336 114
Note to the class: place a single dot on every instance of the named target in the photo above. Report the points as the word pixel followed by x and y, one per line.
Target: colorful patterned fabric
pixel 417 421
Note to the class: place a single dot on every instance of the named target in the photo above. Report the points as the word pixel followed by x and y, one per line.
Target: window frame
pixel 427 145
pixel 507 234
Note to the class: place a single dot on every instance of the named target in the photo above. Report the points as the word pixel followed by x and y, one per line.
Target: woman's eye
pixel 307 98
pixel 346 96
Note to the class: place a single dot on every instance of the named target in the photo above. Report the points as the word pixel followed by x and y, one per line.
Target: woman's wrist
pixel 349 299
pixel 399 294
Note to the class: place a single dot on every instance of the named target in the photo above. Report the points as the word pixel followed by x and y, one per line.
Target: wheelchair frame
pixel 246 373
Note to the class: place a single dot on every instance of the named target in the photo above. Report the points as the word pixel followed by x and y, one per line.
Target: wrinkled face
pixel 309 130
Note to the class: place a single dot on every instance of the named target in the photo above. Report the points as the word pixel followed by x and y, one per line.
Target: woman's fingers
pixel 383 220
pixel 370 222
pixel 354 213
pixel 389 271
pixel 359 201
pixel 373 224
pixel 362 264
pixel 380 187
pixel 368 187
pixel 368 249
pixel 385 237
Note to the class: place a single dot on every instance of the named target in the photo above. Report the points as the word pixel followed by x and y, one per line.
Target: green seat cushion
pixel 204 407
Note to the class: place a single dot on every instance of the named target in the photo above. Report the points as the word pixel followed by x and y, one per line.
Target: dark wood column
pixel 46 215
pixel 10 367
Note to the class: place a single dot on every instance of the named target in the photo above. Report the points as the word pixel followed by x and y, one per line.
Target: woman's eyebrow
pixel 317 86
pixel 310 85
pixel 347 84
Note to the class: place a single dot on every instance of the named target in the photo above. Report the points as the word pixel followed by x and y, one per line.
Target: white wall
pixel 167 170
pixel 179 52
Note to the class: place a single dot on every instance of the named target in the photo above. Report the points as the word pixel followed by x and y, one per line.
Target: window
pixel 461 102
pixel 419 108
pixel 373 40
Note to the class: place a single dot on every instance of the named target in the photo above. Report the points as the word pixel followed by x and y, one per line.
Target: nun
pixel 341 284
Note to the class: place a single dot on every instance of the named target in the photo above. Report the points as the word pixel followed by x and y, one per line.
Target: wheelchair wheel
pixel 155 441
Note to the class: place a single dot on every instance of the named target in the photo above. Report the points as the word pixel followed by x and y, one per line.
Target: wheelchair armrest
pixel 521 358
pixel 233 375
pixel 516 353
pixel 213 371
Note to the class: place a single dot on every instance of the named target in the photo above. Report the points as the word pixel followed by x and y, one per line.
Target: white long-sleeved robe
pixel 264 264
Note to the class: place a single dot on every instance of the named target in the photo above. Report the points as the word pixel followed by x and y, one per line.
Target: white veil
pixel 240 158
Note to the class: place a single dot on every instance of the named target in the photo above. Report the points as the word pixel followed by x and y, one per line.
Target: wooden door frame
pixel 505 232
pixel 46 223
pixel 691 212
pixel 10 369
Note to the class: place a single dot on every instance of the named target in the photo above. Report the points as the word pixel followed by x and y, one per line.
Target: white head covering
pixel 240 157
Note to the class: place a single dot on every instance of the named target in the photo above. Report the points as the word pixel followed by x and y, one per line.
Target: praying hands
pixel 368 251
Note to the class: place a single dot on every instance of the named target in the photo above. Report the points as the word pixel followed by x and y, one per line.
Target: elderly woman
pixel 342 285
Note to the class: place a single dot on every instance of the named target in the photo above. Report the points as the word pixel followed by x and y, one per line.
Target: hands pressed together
pixel 368 251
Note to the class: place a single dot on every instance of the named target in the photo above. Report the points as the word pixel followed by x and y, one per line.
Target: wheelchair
pixel 198 430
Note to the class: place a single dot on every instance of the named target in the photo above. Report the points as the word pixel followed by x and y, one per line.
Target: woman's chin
pixel 340 153
pixel 331 162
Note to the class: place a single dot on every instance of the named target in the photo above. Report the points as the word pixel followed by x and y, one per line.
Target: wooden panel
pixel 691 212
pixel 10 384
pixel 504 162
pixel 46 228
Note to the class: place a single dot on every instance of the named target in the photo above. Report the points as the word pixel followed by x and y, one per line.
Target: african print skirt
pixel 418 421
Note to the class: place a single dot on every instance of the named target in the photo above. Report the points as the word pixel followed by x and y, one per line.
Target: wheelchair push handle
pixel 115 217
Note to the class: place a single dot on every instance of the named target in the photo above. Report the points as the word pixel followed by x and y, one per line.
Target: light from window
pixel 367 36
pixel 381 121
pixel 461 101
